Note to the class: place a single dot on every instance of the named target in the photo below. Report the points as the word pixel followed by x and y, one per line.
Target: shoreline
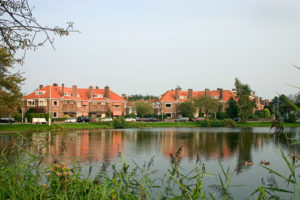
pixel 8 128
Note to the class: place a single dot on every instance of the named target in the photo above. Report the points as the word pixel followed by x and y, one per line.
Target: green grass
pixel 62 126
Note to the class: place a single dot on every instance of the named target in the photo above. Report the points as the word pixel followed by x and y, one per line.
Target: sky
pixel 151 46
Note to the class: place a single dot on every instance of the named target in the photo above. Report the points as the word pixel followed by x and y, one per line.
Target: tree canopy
pixel 10 83
pixel 232 109
pixel 187 109
pixel 143 109
pixel 245 104
pixel 207 104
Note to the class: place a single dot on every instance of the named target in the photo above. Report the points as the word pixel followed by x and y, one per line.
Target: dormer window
pixel 182 97
pixel 67 94
pixel 98 95
pixel 40 92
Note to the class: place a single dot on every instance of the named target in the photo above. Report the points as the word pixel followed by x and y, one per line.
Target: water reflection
pixel 105 145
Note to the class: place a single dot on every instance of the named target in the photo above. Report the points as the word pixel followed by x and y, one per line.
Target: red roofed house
pixel 75 101
pixel 170 99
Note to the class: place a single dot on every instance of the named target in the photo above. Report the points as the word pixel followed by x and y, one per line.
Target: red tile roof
pixel 83 94
pixel 170 95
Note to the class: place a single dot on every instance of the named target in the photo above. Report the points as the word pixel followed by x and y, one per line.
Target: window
pixel 94 103
pixel 116 106
pixel 182 97
pixel 40 92
pixel 55 103
pixel 54 115
pixel 98 95
pixel 42 102
pixel 71 102
pixel 78 104
pixel 65 102
pixel 168 105
pixel 169 115
pixel 78 95
pixel 30 103
pixel 67 94
pixel 103 104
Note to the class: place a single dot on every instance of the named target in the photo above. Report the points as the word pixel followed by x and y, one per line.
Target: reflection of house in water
pixel 82 146
pixel 208 145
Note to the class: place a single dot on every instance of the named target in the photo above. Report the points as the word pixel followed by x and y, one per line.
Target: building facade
pixel 60 101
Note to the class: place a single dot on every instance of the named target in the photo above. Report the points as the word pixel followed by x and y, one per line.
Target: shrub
pixel 59 119
pixel 205 123
pixel 119 122
pixel 291 118
pixel 229 123
pixel 221 115
pixel 17 117
pixel 217 123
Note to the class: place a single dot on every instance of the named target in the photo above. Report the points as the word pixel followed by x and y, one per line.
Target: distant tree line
pixel 136 97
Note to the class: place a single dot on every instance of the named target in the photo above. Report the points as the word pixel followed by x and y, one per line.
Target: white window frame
pixel 182 97
pixel 40 92
pixel 98 95
pixel 30 103
pixel 78 104
pixel 65 102
pixel 55 116
pixel 71 102
pixel 57 103
pixel 103 103
pixel 43 102
pixel 94 102
pixel 67 94
pixel 169 104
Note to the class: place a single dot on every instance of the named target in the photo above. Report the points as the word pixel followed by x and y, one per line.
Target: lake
pixel 231 146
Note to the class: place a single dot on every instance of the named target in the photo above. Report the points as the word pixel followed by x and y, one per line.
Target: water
pixel 232 147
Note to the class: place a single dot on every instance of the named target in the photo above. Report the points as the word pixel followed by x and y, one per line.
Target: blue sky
pixel 150 46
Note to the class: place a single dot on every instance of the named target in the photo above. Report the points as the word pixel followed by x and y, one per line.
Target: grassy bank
pixel 213 123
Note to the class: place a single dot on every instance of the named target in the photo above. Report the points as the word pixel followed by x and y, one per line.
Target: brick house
pixel 168 103
pixel 75 101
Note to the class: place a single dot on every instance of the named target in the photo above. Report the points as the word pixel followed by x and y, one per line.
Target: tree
pixel 246 105
pixel 10 83
pixel 143 109
pixel 207 104
pixel 20 30
pixel 187 109
pixel 232 110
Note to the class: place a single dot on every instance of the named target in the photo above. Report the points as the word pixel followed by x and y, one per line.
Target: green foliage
pixel 10 85
pixel 205 123
pixel 245 104
pixel 59 119
pixel 206 104
pixel 261 114
pixel 17 117
pixel 187 109
pixel 217 123
pixel 267 113
pixel 229 123
pixel 232 110
pixel 143 109
pixel 131 115
pixel 291 118
pixel 119 122
pixel 221 115
pixel 136 97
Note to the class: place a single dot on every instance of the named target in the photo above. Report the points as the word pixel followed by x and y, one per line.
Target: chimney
pixel 91 92
pixel 55 84
pixel 41 86
pixel 62 90
pixel 176 93
pixel 253 93
pixel 106 92
pixel 206 91
pixel 220 93
pixel 97 87
pixel 74 91
pixel 256 100
pixel 190 94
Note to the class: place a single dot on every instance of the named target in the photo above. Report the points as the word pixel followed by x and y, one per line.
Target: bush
pixel 254 116
pixel 205 123
pixel 131 115
pixel 17 117
pixel 291 118
pixel 217 123
pixel 221 115
pixel 119 122
pixel 59 119
pixel 229 123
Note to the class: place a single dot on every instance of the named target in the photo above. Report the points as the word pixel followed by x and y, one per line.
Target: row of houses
pixel 60 101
